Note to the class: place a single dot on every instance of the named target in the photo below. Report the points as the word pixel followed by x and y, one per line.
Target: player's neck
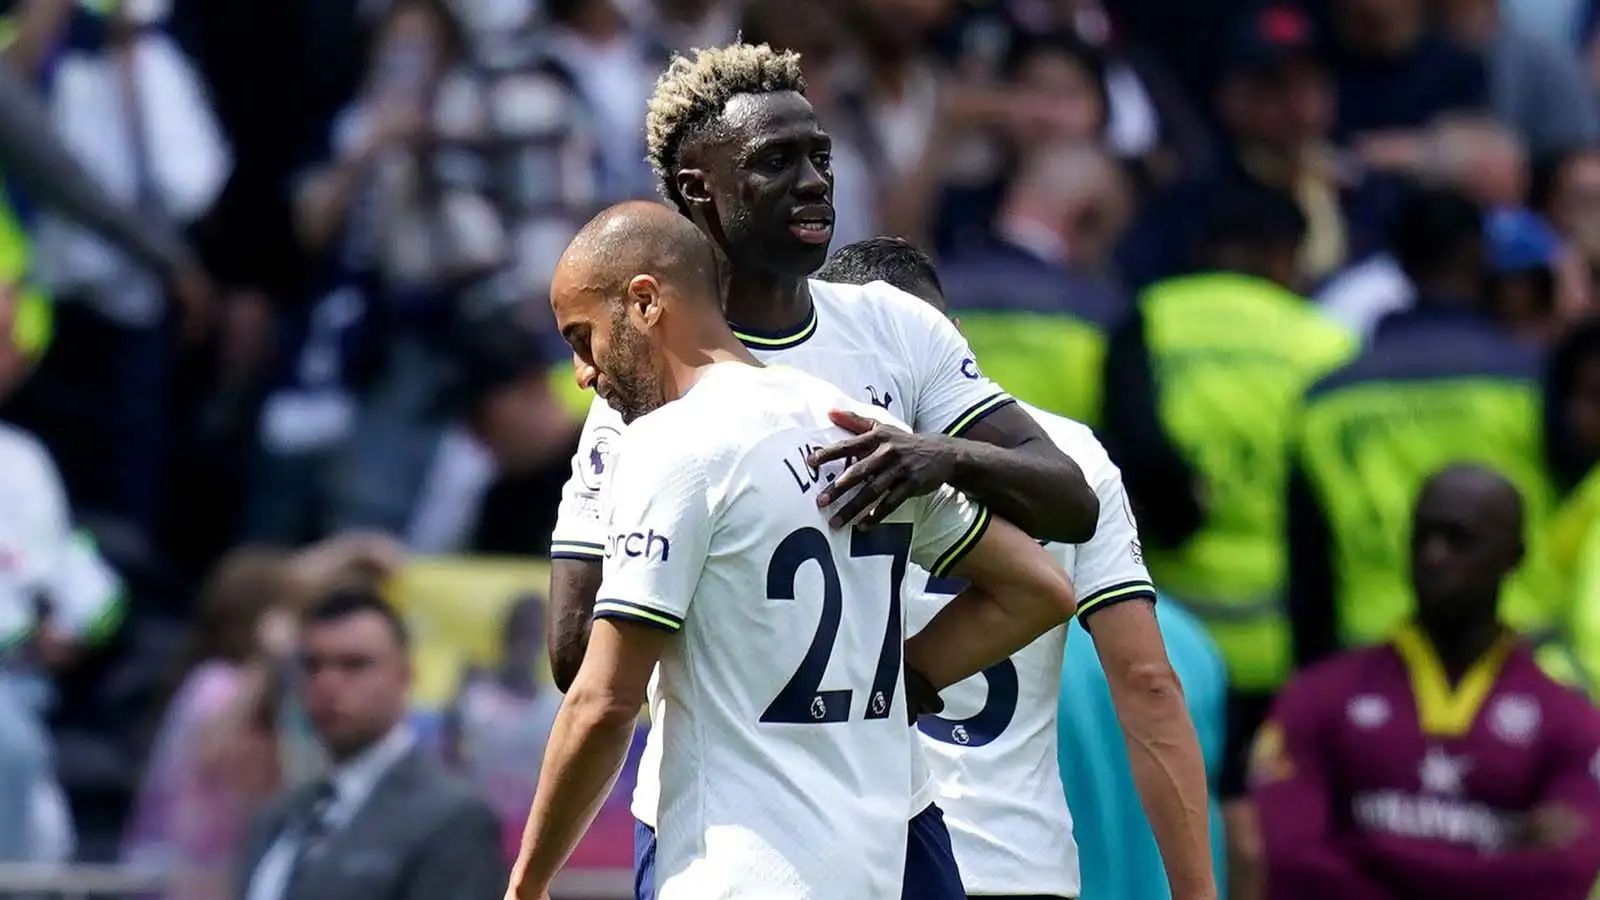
pixel 766 304
pixel 684 370
pixel 1459 651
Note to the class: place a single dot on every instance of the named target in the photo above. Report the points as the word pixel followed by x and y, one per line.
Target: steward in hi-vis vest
pixel 1201 388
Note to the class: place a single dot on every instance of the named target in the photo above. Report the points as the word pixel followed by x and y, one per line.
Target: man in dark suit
pixel 387 822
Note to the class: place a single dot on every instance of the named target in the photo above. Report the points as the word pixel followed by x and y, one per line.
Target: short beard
pixel 635 384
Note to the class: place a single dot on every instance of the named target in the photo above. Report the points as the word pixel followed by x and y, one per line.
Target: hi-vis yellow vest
pixel 34 315
pixel 1368 446
pixel 1566 568
pixel 1232 356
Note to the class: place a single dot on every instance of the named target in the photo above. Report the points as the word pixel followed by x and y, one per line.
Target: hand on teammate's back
pixel 889 465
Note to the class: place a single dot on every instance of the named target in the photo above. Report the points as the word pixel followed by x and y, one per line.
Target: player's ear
pixel 692 187
pixel 644 300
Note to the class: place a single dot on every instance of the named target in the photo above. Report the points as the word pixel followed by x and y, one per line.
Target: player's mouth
pixel 813 226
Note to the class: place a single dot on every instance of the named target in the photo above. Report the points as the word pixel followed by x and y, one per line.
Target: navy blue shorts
pixel 644 861
pixel 931 872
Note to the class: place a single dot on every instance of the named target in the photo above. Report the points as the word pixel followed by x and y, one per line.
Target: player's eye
pixel 822 159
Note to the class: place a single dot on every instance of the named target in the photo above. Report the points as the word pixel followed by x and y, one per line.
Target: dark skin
pixel 1466 540
pixel 747 181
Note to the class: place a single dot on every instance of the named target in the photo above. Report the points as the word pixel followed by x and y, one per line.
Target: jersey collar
pixel 1443 710
pixel 782 339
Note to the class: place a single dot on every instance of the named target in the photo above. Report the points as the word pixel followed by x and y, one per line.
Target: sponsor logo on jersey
pixel 1448 820
pixel 640 544
pixel 596 457
pixel 881 402
pixel 969 369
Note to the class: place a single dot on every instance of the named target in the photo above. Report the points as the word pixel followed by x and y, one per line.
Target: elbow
pixel 1087 504
pixel 601 708
pixel 1063 598
pixel 563 670
pixel 1074 512
pixel 1153 684
pixel 566 656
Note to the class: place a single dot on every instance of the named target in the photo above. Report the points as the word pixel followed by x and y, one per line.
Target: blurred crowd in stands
pixel 1289 259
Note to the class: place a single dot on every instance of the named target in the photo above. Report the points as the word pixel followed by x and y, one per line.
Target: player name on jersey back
pixel 784 755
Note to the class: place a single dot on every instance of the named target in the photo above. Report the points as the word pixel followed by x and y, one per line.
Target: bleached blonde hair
pixel 691 93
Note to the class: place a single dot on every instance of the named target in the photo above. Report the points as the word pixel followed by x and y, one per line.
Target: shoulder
pixel 880 302
pixel 448 796
pixel 1327 684
pixel 1073 437
pixel 1079 442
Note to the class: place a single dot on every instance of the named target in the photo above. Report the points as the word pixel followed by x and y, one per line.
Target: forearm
pixel 1168 771
pixel 1032 485
pixel 582 758
pixel 971 633
pixel 574 584
pixel 32 152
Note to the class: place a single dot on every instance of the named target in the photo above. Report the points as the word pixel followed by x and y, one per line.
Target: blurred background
pixel 341 368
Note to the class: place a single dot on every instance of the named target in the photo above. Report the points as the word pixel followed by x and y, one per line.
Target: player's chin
pixel 802 257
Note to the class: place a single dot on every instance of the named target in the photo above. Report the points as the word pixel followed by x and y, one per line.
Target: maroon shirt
pixel 1376 780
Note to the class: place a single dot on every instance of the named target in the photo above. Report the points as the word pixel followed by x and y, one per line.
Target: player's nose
pixel 583 373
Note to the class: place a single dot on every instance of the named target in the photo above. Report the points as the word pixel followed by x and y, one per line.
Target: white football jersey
pixel 993 751
pixel 785 754
pixel 875 343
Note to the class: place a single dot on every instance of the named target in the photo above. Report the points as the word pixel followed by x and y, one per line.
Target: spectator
pixel 496 476
pixel 1440 382
pixel 1393 71
pixel 1037 301
pixel 1276 103
pixel 349 421
pixel 210 769
pixel 1203 381
pixel 58 598
pixel 1566 191
pixel 1570 568
pixel 1527 290
pixel 497 725
pixel 1535 86
pixel 216 760
pixel 421 832
pixel 1117 854
pixel 613 69
pixel 687 24
pixel 1442 763
pixel 166 159
pixel 1477 156
pixel 1524 257
pixel 1053 96
pixel 912 125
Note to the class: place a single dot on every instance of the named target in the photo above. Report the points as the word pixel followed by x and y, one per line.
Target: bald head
pixel 1487 493
pixel 640 238
pixel 1466 539
pixel 636 294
